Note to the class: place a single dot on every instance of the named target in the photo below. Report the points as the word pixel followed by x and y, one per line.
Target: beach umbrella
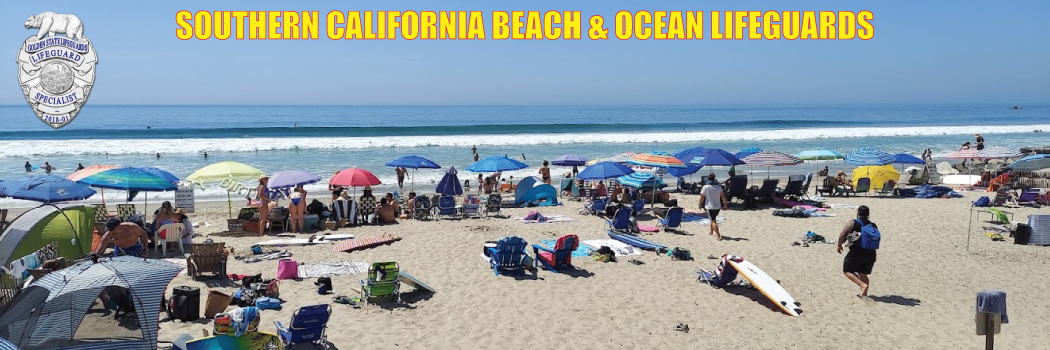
pixel 619 158
pixel 746 152
pixel 818 154
pixel 685 156
pixel 354 177
pixel 1032 163
pixel 866 156
pixel 904 158
pixel 656 160
pixel 641 180
pixel 45 189
pixel 770 159
pixel 291 178
pixel 569 160
pixel 495 164
pixel 413 162
pixel 163 174
pixel 130 179
pixel 715 157
pixel 226 172
pixel 90 170
pixel 969 153
pixel 998 152
pixel 604 170
pixel 449 184
pixel 878 175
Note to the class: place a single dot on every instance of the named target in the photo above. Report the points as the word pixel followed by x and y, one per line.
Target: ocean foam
pixel 38 148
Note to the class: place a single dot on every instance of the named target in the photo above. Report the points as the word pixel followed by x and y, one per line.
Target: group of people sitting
pixel 134 238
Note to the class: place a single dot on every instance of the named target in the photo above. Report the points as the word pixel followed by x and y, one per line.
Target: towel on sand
pixel 333 268
pixel 621 248
pixel 580 251
pixel 536 217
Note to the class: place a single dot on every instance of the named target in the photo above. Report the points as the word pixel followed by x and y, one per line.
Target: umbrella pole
pixel 229 203
pixel 103 191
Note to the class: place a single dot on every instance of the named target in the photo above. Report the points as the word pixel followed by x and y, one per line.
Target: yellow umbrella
pixel 222 171
pixel 878 175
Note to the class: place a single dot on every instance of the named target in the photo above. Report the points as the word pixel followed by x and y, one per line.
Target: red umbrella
pixel 354 177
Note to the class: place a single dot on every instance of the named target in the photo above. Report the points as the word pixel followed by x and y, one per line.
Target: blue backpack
pixel 982 202
pixel 869 235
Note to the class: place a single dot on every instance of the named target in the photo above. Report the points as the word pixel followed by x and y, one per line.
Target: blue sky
pixel 922 52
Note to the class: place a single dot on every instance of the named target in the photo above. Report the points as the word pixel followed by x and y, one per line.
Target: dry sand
pixel 923 286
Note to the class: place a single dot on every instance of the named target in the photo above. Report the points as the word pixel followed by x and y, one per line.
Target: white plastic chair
pixel 172 234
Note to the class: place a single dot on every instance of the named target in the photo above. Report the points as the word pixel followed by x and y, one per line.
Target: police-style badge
pixel 56 72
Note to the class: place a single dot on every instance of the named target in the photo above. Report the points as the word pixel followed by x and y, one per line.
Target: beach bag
pixel 984 201
pixel 287 269
pixel 268 303
pixel 869 235
pixel 680 254
pixel 325 284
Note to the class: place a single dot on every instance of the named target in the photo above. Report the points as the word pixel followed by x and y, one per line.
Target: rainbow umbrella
pixel 656 160
pixel 130 179
pixel 92 170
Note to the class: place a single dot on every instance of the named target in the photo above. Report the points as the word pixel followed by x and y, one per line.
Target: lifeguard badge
pixel 56 72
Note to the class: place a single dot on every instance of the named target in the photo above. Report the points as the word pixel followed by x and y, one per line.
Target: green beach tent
pixel 70 225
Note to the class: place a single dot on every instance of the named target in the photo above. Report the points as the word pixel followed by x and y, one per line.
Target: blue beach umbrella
pixel 641 180
pixel 413 162
pixel 292 178
pixel 45 189
pixel 604 170
pixel 818 154
pixel 449 184
pixel 569 160
pixel 496 163
pixel 904 158
pixel 868 156
pixel 686 156
pixel 163 174
pixel 1032 163
pixel 129 179
pixel 715 157
pixel 747 152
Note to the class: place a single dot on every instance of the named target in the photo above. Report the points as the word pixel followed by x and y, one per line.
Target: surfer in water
pixel 29 167
pixel 859 261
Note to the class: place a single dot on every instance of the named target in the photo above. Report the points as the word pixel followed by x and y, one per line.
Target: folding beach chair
pixel 768 190
pixel 863 186
pixel 125 211
pixel 638 206
pixel 447 207
pixel 793 189
pixel 597 207
pixel 101 214
pixel 493 204
pixel 472 206
pixel 621 221
pixel 1029 197
pixel 382 282
pixel 805 185
pixel 737 187
pixel 343 209
pixel 308 326
pixel 673 220
pixel 508 256
pixel 558 258
pixel 206 257
pixel 888 188
pixel 423 208
pixel 366 208
pixel 828 186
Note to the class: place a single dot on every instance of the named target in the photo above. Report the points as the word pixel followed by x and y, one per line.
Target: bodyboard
pixel 247 341
pixel 364 243
pixel 405 278
pixel 768 286
pixel 635 241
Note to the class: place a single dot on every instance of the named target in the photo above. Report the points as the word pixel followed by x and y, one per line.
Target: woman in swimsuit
pixel 296 209
pixel 545 173
pixel 165 215
pixel 262 194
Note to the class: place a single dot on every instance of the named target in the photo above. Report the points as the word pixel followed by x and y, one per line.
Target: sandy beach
pixel 923 286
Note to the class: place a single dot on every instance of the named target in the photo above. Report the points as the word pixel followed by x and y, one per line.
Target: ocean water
pixel 324 139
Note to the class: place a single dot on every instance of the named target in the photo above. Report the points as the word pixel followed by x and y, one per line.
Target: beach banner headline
pixel 524 25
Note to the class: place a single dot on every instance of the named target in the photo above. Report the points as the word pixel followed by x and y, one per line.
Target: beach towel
pixel 580 251
pixel 621 249
pixel 693 217
pixel 994 302
pixel 333 268
pixel 535 217
pixel 644 228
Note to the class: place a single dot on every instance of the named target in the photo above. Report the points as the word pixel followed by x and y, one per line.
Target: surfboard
pixel 247 341
pixel 336 236
pixel 768 286
pixel 405 278
pixel 635 241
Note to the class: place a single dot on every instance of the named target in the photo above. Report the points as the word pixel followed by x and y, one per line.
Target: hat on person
pixel 181 211
pixel 841 172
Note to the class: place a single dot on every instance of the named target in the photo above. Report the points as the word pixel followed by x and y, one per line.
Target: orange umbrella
pixel 92 170
pixel 656 160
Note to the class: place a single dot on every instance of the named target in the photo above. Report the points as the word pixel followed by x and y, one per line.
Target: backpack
pixel 984 201
pixel 869 235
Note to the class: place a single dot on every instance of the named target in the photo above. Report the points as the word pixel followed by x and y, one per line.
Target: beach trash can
pixel 310 222
pixel 287 269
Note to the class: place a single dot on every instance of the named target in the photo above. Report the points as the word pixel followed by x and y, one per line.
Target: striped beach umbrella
pixel 641 180
pixel 868 156
pixel 969 153
pixel 998 152
pixel 88 171
pixel 128 179
pixel 656 160
pixel 770 159
pixel 818 154
pixel 747 152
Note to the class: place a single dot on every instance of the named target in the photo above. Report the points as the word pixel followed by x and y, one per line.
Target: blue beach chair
pixel 621 221
pixel 308 326
pixel 447 207
pixel 638 206
pixel 673 220
pixel 508 256
pixel 597 207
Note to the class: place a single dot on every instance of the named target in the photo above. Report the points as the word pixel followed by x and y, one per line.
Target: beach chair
pixel 423 208
pixel 737 187
pixel 472 206
pixel 673 220
pixel 768 190
pixel 493 204
pixel 558 258
pixel 793 189
pixel 863 186
pixel 638 206
pixel 278 217
pixel 508 256
pixel 382 282
pixel 172 234
pixel 888 188
pixel 402 202
pixel 345 211
pixel 126 211
pixel 206 258
pixel 597 207
pixel 828 186
pixel 3 220
pixel 366 208
pixel 621 221
pixel 307 326
pixel 447 207
pixel 101 214
pixel 1028 197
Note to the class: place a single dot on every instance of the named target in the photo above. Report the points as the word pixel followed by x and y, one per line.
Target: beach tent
pixel 878 175
pixel 53 312
pixel 540 193
pixel 39 226
pixel 525 185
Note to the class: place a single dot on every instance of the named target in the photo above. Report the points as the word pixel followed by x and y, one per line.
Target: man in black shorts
pixel 859 261
pixel 713 201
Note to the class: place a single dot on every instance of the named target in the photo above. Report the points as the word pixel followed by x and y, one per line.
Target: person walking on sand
pixel 713 201
pixel 859 260
pixel 401 171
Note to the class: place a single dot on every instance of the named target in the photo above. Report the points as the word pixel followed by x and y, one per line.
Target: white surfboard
pixel 964 180
pixel 306 241
pixel 336 236
pixel 405 278
pixel 768 286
